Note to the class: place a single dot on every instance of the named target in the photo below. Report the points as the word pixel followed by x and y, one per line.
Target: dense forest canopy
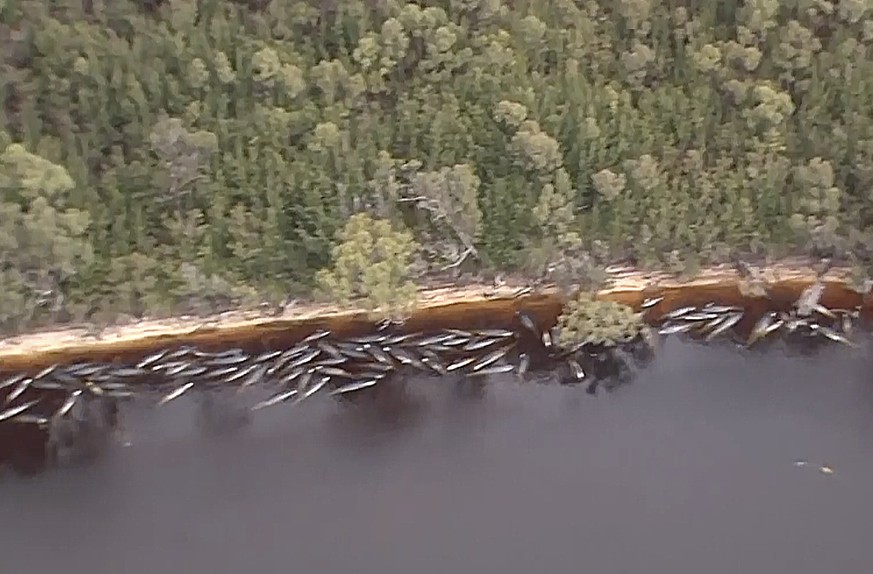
pixel 186 155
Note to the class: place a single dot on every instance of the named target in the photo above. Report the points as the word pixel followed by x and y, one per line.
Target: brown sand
pixel 625 284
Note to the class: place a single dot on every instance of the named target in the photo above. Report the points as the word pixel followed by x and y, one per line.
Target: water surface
pixel 688 470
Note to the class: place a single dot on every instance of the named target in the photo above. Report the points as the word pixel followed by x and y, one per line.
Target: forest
pixel 160 157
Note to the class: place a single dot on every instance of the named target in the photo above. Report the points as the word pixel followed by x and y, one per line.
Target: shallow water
pixel 690 469
pixel 477 309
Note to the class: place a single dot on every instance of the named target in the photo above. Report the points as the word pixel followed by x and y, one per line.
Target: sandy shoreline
pixel 621 280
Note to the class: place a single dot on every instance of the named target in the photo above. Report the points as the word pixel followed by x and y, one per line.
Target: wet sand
pixel 440 307
pixel 688 470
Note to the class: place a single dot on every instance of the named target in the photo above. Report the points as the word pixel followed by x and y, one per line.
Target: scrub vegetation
pixel 187 156
pixel 587 321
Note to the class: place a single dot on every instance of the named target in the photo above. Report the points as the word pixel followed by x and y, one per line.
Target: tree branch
pixel 469 251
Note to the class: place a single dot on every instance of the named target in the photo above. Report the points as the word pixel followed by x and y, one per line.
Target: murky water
pixel 689 470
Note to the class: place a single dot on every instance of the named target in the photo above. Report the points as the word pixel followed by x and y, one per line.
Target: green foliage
pixel 42 241
pixel 206 153
pixel 588 321
pixel 371 261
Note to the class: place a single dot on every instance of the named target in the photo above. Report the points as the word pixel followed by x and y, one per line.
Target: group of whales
pixel 66 398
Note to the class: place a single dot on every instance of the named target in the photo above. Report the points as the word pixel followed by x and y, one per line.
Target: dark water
pixel 688 470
